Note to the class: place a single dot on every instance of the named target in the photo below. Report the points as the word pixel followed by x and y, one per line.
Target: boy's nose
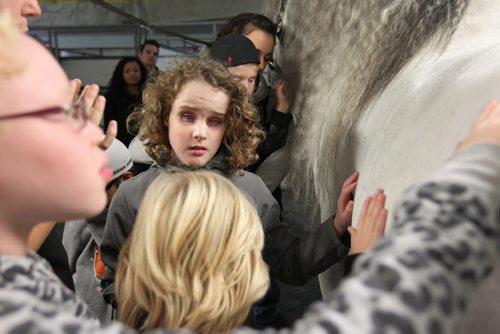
pixel 199 131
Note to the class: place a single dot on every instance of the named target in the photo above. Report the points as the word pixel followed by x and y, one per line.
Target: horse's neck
pixel 414 124
pixel 479 27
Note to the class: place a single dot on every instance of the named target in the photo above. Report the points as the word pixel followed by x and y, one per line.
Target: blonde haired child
pixel 194 258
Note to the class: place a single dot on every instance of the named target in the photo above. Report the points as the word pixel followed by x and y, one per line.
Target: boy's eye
pixel 187 117
pixel 214 122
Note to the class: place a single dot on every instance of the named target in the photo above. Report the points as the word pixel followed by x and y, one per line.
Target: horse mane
pixel 338 56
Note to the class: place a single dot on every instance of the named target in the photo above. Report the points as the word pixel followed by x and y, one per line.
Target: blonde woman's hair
pixel 193 259
pixel 9 63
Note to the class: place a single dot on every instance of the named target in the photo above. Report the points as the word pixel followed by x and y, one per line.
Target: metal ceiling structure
pixel 73 28
pixel 90 36
pixel 66 13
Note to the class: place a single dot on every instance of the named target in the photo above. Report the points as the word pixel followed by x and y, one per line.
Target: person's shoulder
pixel 137 185
pixel 250 184
pixel 145 177
pixel 243 176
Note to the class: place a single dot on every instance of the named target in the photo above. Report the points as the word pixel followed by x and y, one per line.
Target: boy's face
pixel 247 74
pixel 196 123
pixel 52 167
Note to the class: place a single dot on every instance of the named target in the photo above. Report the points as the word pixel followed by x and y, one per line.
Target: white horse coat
pixel 407 129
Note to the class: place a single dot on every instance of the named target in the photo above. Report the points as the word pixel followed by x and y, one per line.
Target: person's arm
pixel 38 235
pixel 119 224
pixel 276 121
pixel 94 105
pixel 295 260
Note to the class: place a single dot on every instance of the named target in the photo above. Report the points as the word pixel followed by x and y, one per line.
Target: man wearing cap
pixel 242 59
pixel 240 56
pixel 82 238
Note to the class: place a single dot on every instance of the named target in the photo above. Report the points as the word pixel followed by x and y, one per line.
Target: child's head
pixel 240 57
pixel 51 166
pixel 193 259
pixel 196 110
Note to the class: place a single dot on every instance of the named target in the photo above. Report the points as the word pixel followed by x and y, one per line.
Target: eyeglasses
pixel 76 112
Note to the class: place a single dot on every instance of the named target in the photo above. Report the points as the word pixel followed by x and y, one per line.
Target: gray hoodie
pixel 291 259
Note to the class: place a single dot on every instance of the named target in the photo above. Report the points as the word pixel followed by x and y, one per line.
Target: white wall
pixel 97 71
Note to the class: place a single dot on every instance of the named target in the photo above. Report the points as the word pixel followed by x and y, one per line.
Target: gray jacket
pixel 81 239
pixel 291 259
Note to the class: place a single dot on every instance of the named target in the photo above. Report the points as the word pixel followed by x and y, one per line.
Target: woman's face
pixel 196 123
pixel 131 73
pixel 264 43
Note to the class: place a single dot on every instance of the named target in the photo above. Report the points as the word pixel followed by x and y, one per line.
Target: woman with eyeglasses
pixel 124 94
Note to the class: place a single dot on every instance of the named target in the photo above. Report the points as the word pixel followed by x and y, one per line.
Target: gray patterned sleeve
pixel 421 276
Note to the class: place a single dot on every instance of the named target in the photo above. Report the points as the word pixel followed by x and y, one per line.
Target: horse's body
pixel 385 98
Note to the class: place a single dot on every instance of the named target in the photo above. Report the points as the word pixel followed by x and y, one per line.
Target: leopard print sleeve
pixel 420 277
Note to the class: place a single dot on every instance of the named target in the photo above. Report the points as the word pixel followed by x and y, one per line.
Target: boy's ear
pixel 127 175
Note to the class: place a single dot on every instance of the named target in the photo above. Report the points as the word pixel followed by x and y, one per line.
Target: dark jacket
pixel 118 107
pixel 290 259
pixel 273 122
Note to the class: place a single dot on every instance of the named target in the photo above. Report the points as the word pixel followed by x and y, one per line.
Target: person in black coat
pixel 124 94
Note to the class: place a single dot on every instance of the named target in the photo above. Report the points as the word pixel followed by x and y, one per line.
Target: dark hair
pixel 243 23
pixel 117 84
pixel 150 42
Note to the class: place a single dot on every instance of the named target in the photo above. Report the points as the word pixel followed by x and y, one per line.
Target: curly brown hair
pixel 242 130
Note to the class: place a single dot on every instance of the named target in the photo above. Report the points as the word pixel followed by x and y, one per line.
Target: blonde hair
pixel 193 259
pixel 10 65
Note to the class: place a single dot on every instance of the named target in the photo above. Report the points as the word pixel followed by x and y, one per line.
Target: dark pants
pixel 266 310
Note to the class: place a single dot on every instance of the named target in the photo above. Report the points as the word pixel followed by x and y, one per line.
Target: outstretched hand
pixel 371 224
pixel 94 108
pixel 345 204
pixel 485 129
pixel 282 104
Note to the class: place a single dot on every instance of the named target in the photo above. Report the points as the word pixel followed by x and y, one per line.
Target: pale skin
pixel 94 107
pixel 371 224
pixel 485 129
pixel 345 205
pixel 21 10
pixel 247 74
pixel 196 123
pixel 64 149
